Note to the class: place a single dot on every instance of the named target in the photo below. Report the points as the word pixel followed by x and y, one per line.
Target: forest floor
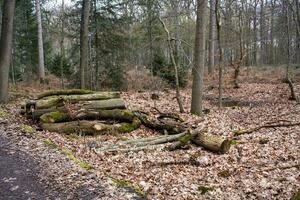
pixel 260 165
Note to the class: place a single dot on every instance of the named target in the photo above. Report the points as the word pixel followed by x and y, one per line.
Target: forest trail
pixel 19 175
pixel 31 170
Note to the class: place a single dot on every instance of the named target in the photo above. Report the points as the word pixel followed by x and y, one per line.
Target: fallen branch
pixel 267 125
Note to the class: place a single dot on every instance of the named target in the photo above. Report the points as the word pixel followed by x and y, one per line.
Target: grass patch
pixel 27 129
pixel 68 153
pixel 129 185
pixel 203 189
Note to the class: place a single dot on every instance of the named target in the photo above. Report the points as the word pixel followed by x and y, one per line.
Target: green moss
pixel 239 131
pixel 234 142
pixel 52 117
pixel 50 143
pixel 72 136
pixel 27 129
pixel 185 139
pixel 203 189
pixel 3 114
pixel 71 156
pixel 128 127
pixel 68 153
pixel 128 184
pixel 127 114
pixel 296 196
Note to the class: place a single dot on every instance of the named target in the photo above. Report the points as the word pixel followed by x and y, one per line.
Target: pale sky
pixel 53 3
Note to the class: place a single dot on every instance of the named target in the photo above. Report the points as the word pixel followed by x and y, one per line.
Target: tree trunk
pixel 6 47
pixel 212 33
pixel 41 67
pixel 84 40
pixel 103 104
pixel 199 58
pixel 90 127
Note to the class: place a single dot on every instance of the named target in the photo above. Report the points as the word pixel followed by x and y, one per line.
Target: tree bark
pixel 84 39
pixel 41 63
pixel 6 47
pixel 199 58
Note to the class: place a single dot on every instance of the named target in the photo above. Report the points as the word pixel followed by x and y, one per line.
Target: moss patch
pixel 27 129
pixel 50 143
pixel 68 153
pixel 234 142
pixel 3 114
pixel 71 156
pixel 203 189
pixel 129 185
pixel 55 117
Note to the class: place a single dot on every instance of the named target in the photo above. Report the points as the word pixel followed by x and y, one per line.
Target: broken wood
pixel 90 127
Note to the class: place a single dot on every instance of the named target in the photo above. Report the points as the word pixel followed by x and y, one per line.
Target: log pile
pixel 86 112
pixel 80 111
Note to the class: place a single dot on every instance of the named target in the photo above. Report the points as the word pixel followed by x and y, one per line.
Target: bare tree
pixel 173 60
pixel 220 53
pixel 212 33
pixel 84 42
pixel 6 47
pixel 62 48
pixel 41 64
pixel 199 58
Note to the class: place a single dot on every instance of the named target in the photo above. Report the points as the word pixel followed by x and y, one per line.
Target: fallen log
pixel 62 92
pixel 102 105
pixel 59 100
pixel 90 127
pixel 115 115
pixel 197 136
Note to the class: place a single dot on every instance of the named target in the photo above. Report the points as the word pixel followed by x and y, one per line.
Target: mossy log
pixel 115 115
pixel 90 127
pixel 36 114
pixel 57 101
pixel 62 92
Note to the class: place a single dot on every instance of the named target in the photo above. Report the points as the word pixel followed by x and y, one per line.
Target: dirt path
pixel 19 176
